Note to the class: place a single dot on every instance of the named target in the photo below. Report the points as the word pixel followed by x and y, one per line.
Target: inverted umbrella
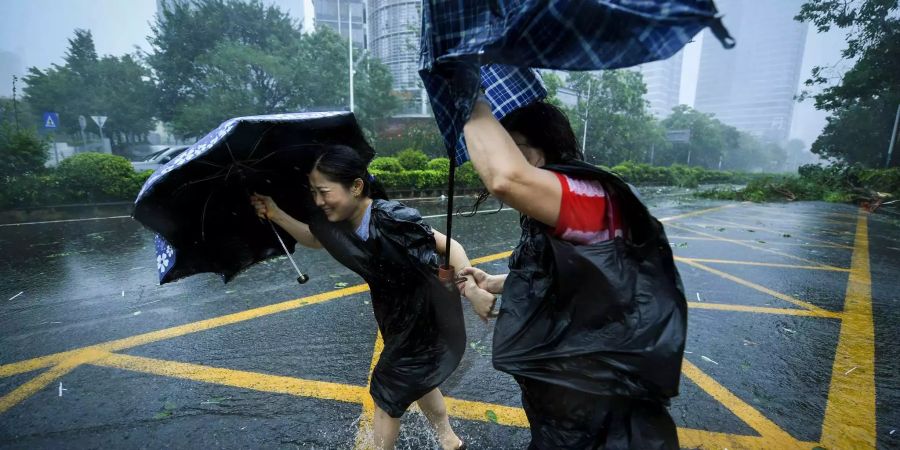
pixel 198 203
pixel 460 36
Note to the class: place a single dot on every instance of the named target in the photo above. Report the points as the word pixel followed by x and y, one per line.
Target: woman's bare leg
pixel 432 405
pixel 386 429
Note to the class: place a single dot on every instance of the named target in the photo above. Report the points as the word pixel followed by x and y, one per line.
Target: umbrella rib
pixel 203 217
pixel 261 136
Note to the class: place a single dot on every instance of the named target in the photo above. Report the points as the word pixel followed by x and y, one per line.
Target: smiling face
pixel 337 201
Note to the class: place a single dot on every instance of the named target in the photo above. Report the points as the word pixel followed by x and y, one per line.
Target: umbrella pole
pixel 301 277
pixel 447 272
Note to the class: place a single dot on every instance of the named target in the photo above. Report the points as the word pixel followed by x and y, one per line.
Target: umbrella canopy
pixel 198 203
pixel 549 34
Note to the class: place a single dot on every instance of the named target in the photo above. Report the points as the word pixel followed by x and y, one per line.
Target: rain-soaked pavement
pixel 786 303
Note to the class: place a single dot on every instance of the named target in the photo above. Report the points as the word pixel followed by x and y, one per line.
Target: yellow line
pixel 744 244
pixel 472 410
pixel 757 287
pixel 490 258
pixel 364 432
pixel 752 241
pixel 697 213
pixel 850 411
pixel 181 330
pixel 41 381
pixel 457 408
pixel 702 439
pixel 788 217
pixel 765 310
pixel 761 264
pixel 774 436
pixel 780 233
pixel 237 378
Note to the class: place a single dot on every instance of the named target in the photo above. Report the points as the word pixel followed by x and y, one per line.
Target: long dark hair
pixel 344 165
pixel 547 128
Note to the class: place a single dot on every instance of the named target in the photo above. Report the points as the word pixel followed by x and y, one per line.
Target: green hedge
pixel 679 175
pixel 815 182
pixel 386 164
pixel 83 178
pixel 413 159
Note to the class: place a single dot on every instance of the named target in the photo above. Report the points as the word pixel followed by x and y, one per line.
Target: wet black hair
pixel 546 128
pixel 342 164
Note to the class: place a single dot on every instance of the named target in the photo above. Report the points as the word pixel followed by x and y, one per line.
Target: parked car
pixel 157 159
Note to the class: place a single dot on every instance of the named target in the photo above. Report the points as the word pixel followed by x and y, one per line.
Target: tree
pixel 707 142
pixel 864 101
pixel 620 127
pixel 22 151
pixel 243 58
pixel 116 87
pixel 553 83
pixel 184 32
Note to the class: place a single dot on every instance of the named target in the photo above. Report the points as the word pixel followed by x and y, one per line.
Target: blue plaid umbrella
pixel 509 37
pixel 549 34
pixel 198 203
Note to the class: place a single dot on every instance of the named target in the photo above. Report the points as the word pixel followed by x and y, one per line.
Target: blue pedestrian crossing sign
pixel 50 120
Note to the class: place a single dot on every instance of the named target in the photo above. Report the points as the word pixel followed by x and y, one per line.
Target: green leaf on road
pixel 491 416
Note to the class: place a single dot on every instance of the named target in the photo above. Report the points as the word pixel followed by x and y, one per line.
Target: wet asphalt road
pixel 768 364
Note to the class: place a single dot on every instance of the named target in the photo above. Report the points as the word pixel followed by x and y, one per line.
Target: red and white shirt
pixel 587 215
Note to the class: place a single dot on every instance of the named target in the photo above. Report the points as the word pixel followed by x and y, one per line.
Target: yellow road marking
pixel 697 213
pixel 752 241
pixel 181 330
pixel 702 439
pixel 744 244
pixel 472 410
pixel 761 264
pixel 774 436
pixel 850 411
pixel 364 432
pixel 236 378
pixel 765 310
pixel 358 394
pixel 757 287
pixel 41 381
pixel 490 258
pixel 780 233
pixel 793 218
pixel 458 408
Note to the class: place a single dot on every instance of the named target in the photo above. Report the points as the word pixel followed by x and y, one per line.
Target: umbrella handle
pixel 301 277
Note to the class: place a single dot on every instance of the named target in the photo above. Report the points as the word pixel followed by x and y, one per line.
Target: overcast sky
pixel 37 31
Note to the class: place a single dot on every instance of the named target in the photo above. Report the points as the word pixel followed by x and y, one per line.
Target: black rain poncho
pixel 420 320
pixel 595 334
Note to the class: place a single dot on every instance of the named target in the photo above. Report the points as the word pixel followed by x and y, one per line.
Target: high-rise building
pixel 752 86
pixel 395 28
pixel 335 14
pixel 663 80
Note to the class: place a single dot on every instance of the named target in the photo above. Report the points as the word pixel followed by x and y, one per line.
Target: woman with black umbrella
pixel 389 245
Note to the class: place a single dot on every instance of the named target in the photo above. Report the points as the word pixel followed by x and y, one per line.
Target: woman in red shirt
pixel 593 321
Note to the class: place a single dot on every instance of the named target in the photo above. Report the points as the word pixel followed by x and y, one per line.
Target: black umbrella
pixel 198 203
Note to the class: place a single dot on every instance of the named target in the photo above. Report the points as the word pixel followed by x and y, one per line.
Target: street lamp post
pixel 587 109
pixel 350 49
pixel 887 162
pixel 349 44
